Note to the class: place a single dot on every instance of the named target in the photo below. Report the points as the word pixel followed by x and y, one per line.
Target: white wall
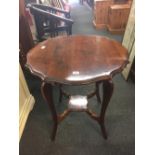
pixel 26 102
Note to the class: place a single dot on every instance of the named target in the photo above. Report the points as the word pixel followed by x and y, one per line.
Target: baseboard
pixel 115 31
pixel 27 107
pixel 99 26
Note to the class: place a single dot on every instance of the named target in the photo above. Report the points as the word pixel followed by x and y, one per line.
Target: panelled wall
pixel 129 40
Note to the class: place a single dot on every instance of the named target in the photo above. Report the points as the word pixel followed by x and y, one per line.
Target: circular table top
pixel 77 59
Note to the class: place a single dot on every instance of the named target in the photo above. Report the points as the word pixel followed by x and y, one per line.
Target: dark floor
pixel 78 134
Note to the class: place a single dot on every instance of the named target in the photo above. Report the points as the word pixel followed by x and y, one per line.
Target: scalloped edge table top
pixel 77 59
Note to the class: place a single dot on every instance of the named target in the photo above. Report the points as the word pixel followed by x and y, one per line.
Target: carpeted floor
pixel 78 134
pixel 83 18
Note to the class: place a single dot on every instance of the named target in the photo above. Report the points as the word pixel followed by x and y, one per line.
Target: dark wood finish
pixel 57 118
pixel 108 90
pixel 132 71
pixel 25 35
pixel 77 60
pixel 22 8
pixel 47 92
pixel 22 56
pixel 98 92
pixel 50 20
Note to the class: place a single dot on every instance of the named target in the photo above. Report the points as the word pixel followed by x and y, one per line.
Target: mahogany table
pixel 77 60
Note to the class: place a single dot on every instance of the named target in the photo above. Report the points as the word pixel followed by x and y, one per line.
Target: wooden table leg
pixel 47 92
pixel 107 93
pixel 98 92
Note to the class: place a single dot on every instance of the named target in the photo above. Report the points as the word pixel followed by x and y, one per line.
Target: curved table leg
pixel 46 90
pixel 98 92
pixel 107 93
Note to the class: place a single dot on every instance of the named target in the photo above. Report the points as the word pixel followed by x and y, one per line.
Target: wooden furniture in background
pixel 101 13
pixel 111 15
pixel 50 21
pixel 77 60
pixel 25 38
pixel 25 35
pixel 129 41
pixel 118 17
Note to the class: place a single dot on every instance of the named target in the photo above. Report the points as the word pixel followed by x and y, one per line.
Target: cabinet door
pixel 101 9
pixel 118 16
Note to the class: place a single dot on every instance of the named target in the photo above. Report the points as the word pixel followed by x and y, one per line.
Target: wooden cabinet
pixel 118 17
pixel 111 14
pixel 101 8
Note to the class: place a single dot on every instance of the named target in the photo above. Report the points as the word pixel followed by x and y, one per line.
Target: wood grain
pixel 77 59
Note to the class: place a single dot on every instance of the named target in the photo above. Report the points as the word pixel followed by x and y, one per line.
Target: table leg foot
pixel 53 135
pixel 104 133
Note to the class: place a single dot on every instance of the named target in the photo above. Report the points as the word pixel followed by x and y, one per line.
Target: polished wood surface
pixel 77 59
pixel 118 17
pixel 47 92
